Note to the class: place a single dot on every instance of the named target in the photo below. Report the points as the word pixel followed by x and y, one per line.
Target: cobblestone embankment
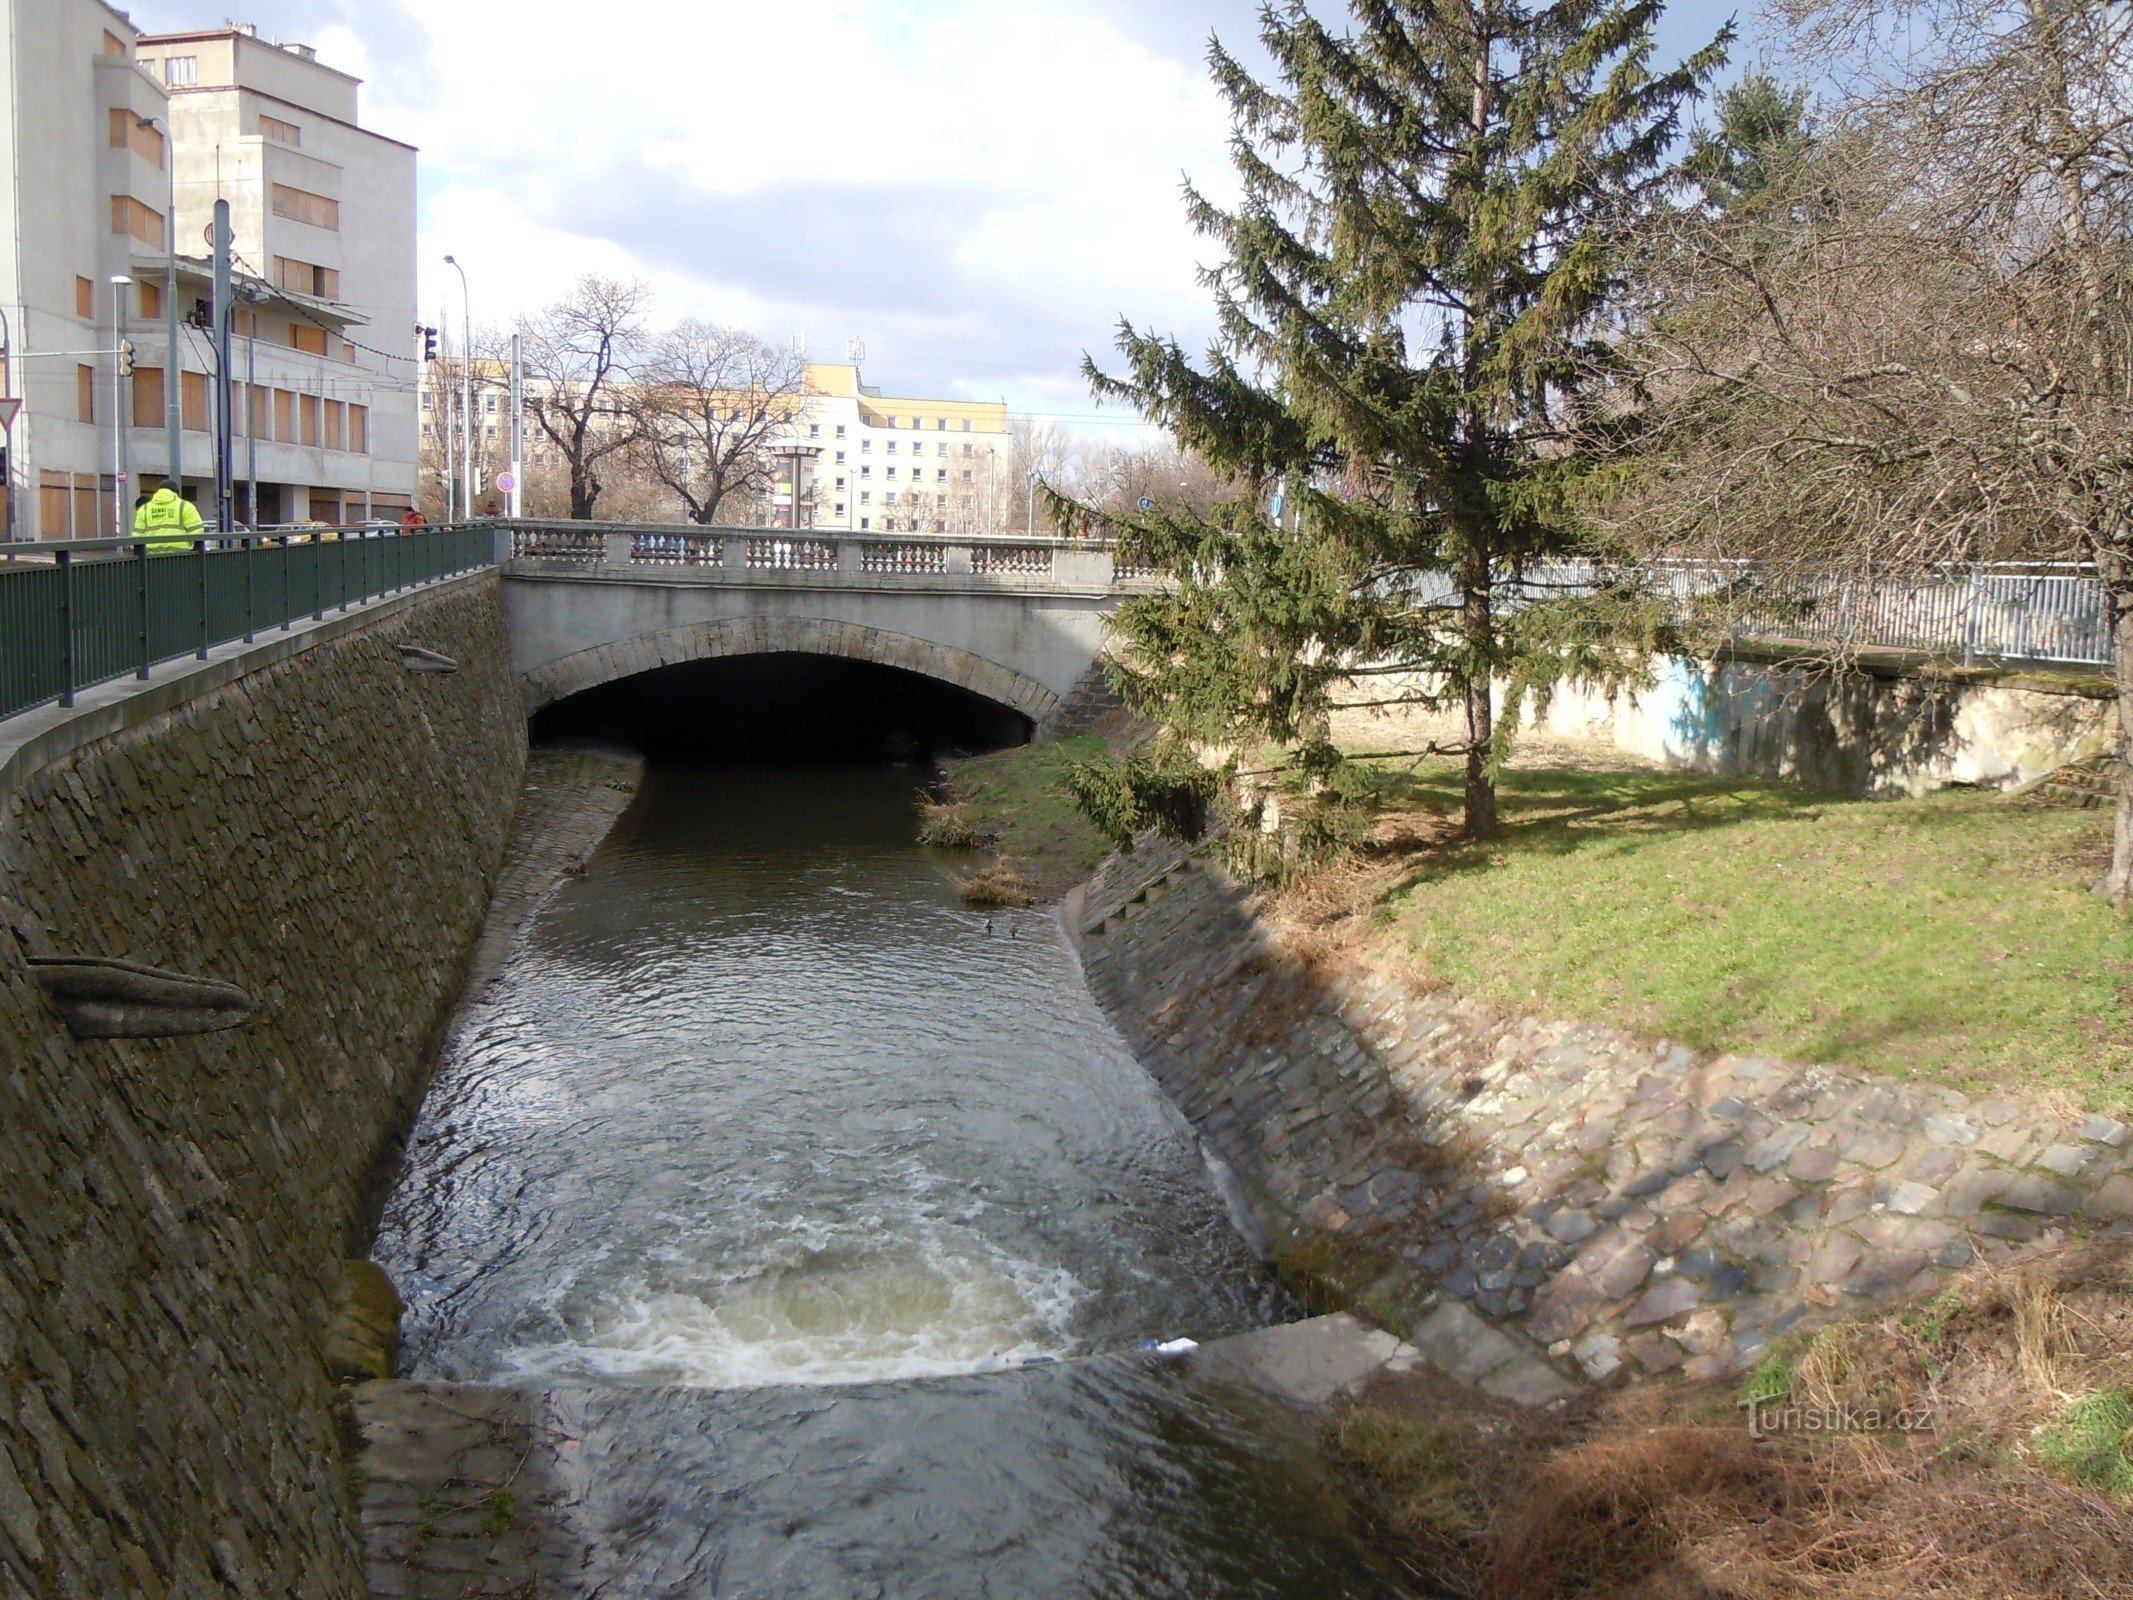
pixel 1539 1204
pixel 322 831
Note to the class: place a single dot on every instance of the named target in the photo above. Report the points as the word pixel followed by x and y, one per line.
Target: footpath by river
pixel 779 1226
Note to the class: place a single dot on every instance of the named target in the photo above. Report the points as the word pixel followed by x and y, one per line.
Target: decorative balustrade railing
pixel 84 611
pixel 581 545
pixel 790 554
pixel 880 555
pixel 1003 561
pixel 1021 560
pixel 678 549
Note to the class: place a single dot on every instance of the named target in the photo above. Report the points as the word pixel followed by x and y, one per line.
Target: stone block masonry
pixel 322 831
pixel 1537 1204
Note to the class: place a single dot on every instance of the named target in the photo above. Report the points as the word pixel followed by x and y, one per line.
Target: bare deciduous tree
pixel 708 404
pixel 577 355
pixel 1914 344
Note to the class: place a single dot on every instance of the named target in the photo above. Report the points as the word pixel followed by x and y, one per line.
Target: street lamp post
pixel 173 412
pixel 466 388
pixel 120 283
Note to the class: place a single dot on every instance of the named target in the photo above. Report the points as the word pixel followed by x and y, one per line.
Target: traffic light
pixel 429 344
pixel 125 358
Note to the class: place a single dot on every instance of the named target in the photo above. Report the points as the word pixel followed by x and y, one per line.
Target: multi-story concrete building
pixel 894 463
pixel 121 143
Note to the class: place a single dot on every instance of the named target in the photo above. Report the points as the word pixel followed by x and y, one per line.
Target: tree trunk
pixel 583 492
pixel 1475 623
pixel 2117 883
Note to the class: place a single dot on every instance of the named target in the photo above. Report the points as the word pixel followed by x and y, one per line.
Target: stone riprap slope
pixel 1539 1203
pixel 322 832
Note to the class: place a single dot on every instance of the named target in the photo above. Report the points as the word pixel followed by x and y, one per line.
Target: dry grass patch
pixel 2021 1487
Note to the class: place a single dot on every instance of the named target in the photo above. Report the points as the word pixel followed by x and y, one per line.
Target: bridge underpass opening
pixel 784 706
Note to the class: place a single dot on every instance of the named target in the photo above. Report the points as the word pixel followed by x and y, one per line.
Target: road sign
pixel 8 408
pixel 506 481
pixel 1147 504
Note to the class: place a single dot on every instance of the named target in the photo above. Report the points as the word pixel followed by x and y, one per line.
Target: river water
pixel 760 1125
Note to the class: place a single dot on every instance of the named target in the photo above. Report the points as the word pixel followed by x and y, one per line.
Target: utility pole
pixel 517 506
pixel 120 524
pixel 466 388
pixel 253 294
pixel 7 434
pixel 173 414
pixel 225 489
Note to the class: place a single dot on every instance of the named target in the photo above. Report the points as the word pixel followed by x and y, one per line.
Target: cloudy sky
pixel 977 188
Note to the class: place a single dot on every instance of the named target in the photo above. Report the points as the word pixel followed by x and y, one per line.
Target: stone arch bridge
pixel 1018 621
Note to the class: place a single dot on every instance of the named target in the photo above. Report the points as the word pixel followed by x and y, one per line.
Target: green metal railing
pixel 86 611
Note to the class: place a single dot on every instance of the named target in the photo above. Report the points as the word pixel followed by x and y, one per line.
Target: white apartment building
pixel 120 142
pixel 894 463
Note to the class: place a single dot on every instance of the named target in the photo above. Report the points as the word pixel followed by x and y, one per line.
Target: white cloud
pixel 996 182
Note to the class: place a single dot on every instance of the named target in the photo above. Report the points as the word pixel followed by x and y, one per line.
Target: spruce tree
pixel 1411 293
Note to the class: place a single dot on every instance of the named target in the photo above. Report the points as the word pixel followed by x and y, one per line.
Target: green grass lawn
pixel 1018 799
pixel 1951 937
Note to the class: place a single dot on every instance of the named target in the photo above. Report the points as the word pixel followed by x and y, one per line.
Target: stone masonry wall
pixel 1538 1204
pixel 322 832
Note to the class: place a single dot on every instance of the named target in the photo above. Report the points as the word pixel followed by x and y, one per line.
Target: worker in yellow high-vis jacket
pixel 170 513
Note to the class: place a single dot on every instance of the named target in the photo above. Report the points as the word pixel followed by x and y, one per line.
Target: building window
pixel 840 508
pixel 866 472
pixel 840 483
pixel 281 132
pixel 866 522
pixel 128 215
pixel 181 70
pixel 940 424
pixel 301 205
pixel 892 472
pixel 840 430
pixel 85 393
pixel 889 499
pixel 966 426
pixel 940 474
pixel 304 277
pixel 866 496
pixel 425 400
pixel 359 429
pixel 966 474
pixel 491 403
pixel 840 457
pixel 892 447
pixel 128 134
pixel 969 450
pixel 814 430
pixel 866 447
pixel 304 337
pixel 113 44
pixel 84 298
pixel 151 299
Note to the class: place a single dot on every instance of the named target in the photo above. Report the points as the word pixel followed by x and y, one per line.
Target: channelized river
pixel 759 1124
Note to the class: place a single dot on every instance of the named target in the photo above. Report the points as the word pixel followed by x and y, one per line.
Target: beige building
pixel 896 463
pixel 121 142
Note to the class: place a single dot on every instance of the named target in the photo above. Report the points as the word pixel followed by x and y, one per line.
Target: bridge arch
pixel 773 635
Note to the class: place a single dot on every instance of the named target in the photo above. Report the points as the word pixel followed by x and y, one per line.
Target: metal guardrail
pixel 2005 613
pixel 2059 615
pixel 84 611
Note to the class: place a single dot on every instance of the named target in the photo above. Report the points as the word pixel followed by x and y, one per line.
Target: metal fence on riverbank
pixel 85 611
pixel 2057 614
